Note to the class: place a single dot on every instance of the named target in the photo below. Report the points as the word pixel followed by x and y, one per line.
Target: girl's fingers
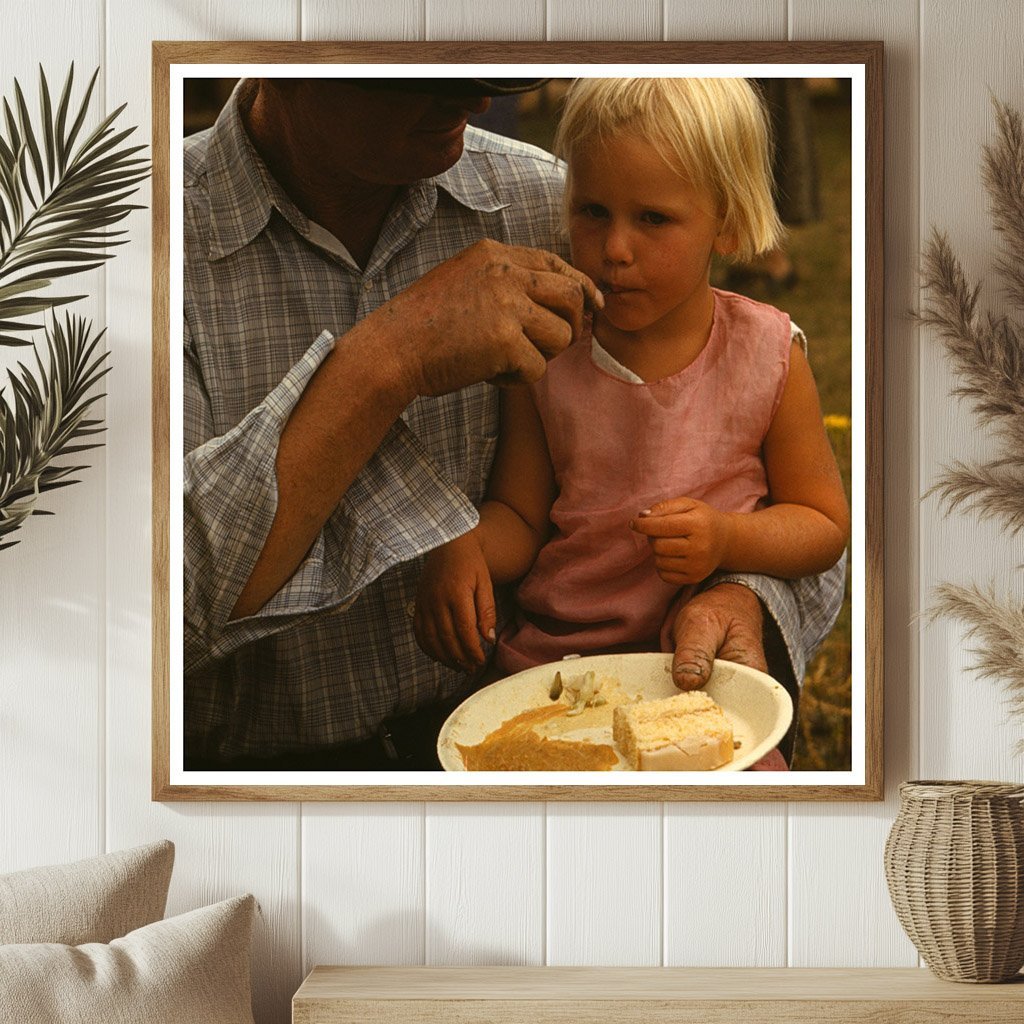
pixel 486 616
pixel 671 564
pixel 426 636
pixel 677 579
pixel 676 524
pixel 464 626
pixel 677 571
pixel 670 547
pixel 448 623
pixel 671 506
pixel 437 633
pixel 448 638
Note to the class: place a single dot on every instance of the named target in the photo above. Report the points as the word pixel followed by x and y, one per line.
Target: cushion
pixel 92 900
pixel 186 969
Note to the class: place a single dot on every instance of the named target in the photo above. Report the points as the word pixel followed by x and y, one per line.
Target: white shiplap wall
pixel 498 883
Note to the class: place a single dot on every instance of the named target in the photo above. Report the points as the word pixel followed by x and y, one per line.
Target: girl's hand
pixel 455 605
pixel 689 538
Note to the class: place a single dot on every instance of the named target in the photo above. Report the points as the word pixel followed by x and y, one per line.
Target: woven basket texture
pixel 954 863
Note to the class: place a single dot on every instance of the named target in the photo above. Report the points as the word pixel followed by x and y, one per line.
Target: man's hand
pixel 492 313
pixel 689 538
pixel 455 605
pixel 724 621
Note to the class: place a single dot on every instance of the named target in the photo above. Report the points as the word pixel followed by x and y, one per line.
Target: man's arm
pixel 492 312
pixel 229 503
pixel 341 419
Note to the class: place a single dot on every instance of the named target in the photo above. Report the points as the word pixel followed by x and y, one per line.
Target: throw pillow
pixel 194 967
pixel 92 900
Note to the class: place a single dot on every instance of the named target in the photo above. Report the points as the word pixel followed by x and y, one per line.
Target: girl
pixel 685 437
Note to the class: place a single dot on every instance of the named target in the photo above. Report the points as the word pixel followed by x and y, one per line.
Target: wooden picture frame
pixel 857 68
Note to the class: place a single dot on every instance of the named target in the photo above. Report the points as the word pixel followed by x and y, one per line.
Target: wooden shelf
pixel 648 995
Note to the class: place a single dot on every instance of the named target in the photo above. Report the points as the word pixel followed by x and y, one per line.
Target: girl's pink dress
pixel 618 447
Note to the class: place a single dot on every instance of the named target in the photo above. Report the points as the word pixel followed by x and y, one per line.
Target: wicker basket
pixel 954 861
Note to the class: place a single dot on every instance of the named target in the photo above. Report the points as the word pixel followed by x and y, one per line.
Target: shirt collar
pixel 243 194
pixel 466 185
pixel 240 203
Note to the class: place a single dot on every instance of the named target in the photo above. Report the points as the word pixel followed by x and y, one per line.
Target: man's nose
pixel 470 104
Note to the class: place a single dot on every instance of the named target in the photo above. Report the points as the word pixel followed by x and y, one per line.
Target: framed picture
pixel 320 214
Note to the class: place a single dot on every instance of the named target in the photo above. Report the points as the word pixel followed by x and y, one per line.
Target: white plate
pixel 757 705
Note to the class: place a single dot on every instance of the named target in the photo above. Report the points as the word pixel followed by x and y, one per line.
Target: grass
pixel 822 306
pixel 820 303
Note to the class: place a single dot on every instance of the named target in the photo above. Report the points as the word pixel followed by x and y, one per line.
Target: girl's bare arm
pixel 806 528
pixel 514 519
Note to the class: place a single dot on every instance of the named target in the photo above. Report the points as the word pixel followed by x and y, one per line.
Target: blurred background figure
pixel 795 173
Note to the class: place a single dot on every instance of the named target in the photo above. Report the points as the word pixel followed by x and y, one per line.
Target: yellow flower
pixel 833 421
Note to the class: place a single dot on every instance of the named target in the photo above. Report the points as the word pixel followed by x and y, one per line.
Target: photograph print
pixel 518 421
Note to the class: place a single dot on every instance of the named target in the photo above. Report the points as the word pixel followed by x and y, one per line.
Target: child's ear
pixel 726 242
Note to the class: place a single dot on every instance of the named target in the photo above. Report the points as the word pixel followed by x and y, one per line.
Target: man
pixel 355 272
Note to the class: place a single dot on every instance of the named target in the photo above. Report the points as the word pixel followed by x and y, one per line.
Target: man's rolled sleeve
pixel 399 506
pixel 804 610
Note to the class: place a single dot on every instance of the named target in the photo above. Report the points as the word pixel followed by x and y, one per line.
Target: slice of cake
pixel 687 732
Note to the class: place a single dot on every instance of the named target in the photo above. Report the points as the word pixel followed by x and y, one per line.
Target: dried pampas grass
pixel 987 355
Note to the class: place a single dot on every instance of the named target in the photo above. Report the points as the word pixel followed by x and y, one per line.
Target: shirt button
pixel 410 609
pixel 367 285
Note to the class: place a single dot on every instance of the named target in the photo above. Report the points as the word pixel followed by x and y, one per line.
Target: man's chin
pixel 441 155
pixel 419 158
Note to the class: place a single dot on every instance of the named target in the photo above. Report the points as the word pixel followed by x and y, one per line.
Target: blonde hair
pixel 713 132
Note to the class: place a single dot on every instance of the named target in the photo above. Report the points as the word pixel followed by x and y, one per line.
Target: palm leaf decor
pixel 45 419
pixel 62 191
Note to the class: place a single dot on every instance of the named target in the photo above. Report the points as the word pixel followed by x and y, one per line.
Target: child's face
pixel 643 234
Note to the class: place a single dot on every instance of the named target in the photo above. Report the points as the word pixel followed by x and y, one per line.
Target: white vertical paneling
pixel 51 583
pixel 725 885
pixel 731 19
pixel 841 915
pixel 736 915
pixel 582 19
pixel 222 851
pixel 605 898
pixel 382 19
pixel 470 19
pixel 485 883
pixel 216 843
pixel 362 884
pixel 967 49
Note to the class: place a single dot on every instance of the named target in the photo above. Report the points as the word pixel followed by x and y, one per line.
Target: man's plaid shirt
pixel 267 296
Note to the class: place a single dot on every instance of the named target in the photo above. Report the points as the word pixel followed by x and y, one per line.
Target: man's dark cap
pixel 453 86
